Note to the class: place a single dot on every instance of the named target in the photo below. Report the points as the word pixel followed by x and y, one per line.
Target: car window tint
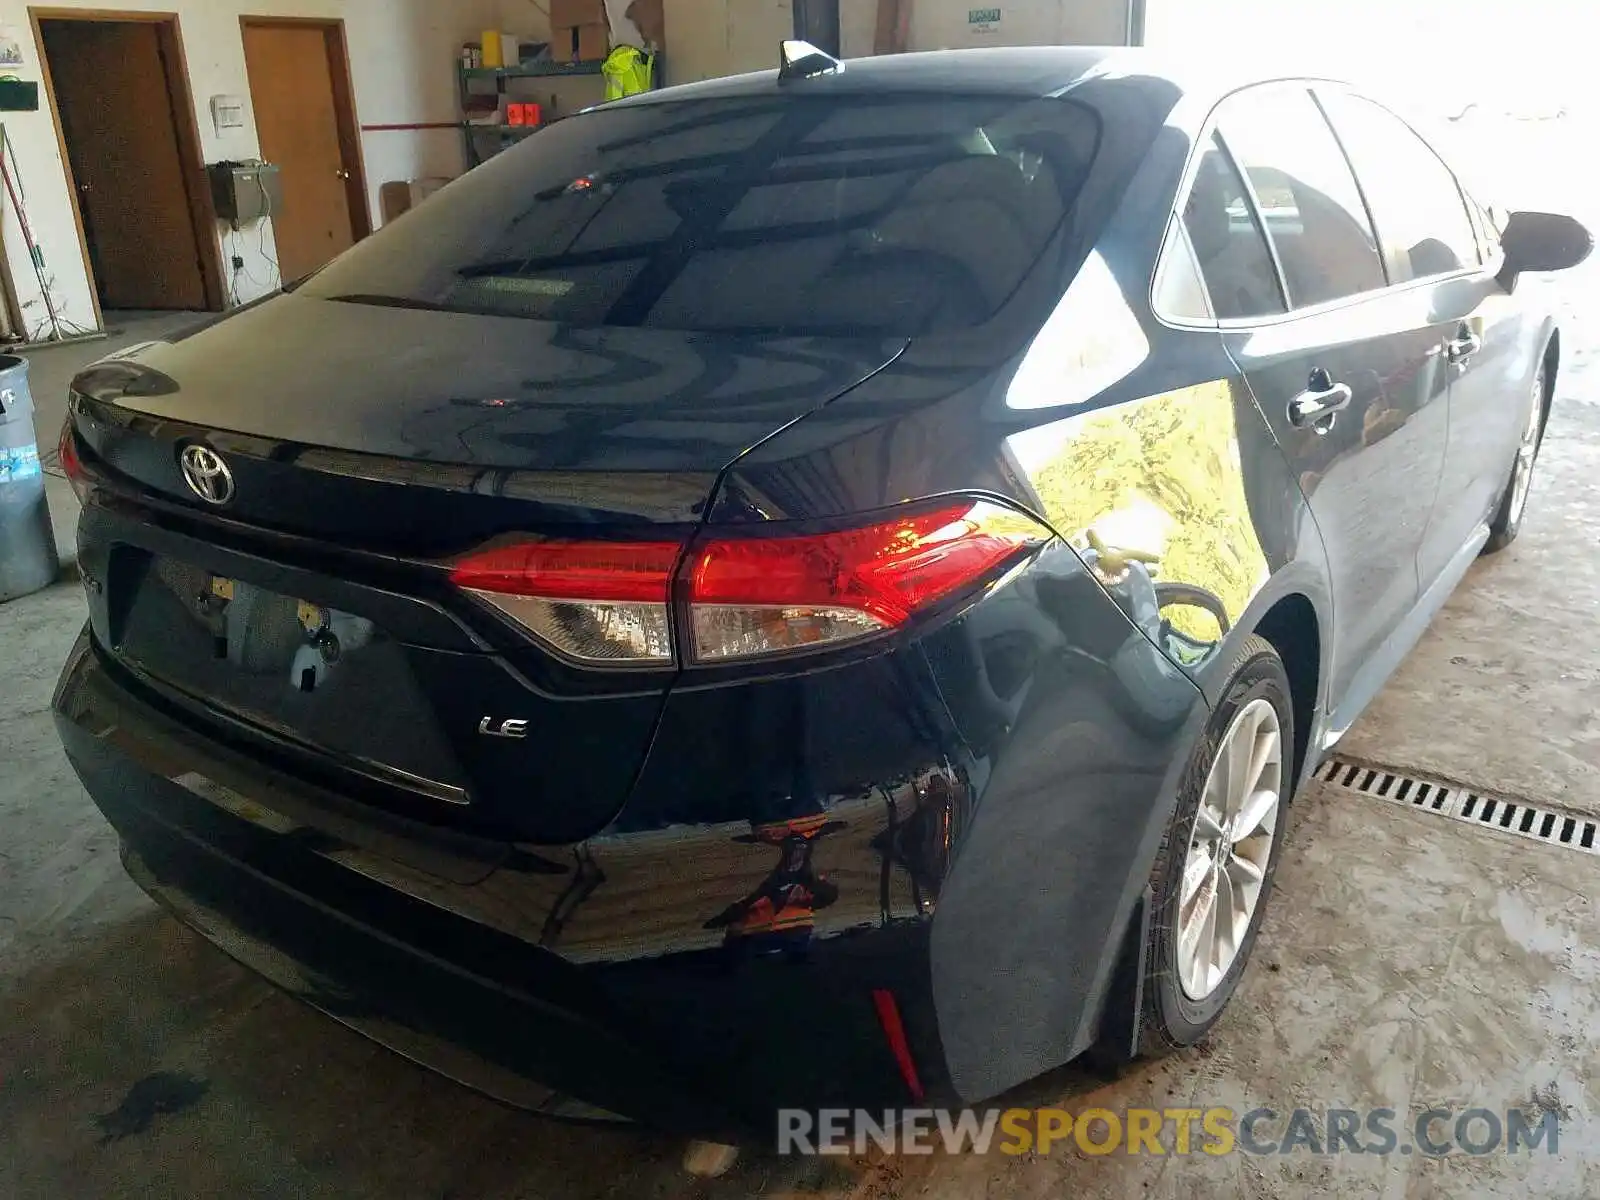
pixel 1233 256
pixel 1414 197
pixel 901 214
pixel 1309 200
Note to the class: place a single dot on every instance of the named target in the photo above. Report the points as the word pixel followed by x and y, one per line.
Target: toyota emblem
pixel 206 474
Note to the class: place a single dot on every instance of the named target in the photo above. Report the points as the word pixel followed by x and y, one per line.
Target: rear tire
pixel 1507 521
pixel 1183 996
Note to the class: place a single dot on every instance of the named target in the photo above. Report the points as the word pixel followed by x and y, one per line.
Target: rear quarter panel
pixel 1141 446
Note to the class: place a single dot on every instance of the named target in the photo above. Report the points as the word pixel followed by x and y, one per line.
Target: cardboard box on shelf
pixel 401 196
pixel 568 14
pixel 594 42
pixel 581 43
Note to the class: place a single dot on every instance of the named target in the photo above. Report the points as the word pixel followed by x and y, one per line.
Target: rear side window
pixel 1233 256
pixel 899 214
pixel 1179 290
pixel 1308 197
pixel 1415 200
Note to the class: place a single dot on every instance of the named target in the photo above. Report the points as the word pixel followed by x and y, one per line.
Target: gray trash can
pixel 28 559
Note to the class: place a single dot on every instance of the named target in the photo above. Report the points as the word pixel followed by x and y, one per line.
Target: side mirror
pixel 1537 241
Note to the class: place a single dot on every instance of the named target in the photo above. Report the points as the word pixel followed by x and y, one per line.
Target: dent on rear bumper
pixel 454 952
pixel 965 822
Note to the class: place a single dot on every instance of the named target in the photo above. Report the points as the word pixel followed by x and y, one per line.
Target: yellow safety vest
pixel 628 70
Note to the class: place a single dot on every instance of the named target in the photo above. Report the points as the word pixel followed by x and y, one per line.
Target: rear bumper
pixel 268 869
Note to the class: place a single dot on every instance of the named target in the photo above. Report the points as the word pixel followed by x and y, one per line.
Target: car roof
pixel 998 70
pixel 1002 70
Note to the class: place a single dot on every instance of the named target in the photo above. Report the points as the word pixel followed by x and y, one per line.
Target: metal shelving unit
pixel 533 70
pixel 505 135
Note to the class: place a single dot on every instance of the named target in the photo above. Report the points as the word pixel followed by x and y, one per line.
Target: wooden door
pixel 299 90
pixel 117 120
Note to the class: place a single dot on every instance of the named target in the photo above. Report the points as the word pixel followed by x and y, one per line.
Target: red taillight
pixel 762 595
pixel 747 596
pixel 71 464
pixel 637 571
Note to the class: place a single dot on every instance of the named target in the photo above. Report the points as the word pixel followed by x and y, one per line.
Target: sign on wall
pixel 10 47
pixel 983 20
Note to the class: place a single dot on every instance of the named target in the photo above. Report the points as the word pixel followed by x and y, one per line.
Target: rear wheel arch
pixel 1293 628
pixel 1552 363
pixel 1170 1017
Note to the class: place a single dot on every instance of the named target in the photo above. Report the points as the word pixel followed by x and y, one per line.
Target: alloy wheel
pixel 1527 451
pixel 1229 846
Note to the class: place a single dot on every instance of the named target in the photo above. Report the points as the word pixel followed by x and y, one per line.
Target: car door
pixel 1429 241
pixel 1349 376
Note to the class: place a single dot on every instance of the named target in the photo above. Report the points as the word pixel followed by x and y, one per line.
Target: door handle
pixel 1318 407
pixel 1463 346
pixel 342 173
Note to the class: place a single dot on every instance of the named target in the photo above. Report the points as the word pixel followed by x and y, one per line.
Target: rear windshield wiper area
pixel 391 301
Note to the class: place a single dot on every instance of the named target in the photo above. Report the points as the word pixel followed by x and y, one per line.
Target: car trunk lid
pixel 311 615
pixel 421 432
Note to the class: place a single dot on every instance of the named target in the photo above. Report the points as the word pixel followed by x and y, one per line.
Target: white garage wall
pixel 858 27
pixel 946 24
pixel 708 38
pixel 402 62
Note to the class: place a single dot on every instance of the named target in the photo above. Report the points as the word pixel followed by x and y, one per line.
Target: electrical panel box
pixel 19 95
pixel 243 192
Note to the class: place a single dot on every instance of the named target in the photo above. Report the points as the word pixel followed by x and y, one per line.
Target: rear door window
pixel 1415 199
pixel 1227 241
pixel 897 214
pixel 1308 198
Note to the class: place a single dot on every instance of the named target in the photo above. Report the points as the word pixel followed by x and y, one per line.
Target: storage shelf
pixel 477 149
pixel 505 131
pixel 534 70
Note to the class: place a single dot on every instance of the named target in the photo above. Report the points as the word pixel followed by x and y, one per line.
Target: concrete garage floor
pixel 1407 962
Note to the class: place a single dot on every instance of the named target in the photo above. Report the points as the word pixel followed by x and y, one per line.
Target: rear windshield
pixel 900 215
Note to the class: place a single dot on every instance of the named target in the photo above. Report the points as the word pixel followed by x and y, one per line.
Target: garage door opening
pixel 119 88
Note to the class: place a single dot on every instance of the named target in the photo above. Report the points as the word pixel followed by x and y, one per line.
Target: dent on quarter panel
pixel 1073 749
pixel 1152 494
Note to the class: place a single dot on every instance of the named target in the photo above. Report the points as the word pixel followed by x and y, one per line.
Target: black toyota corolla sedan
pixel 809 589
